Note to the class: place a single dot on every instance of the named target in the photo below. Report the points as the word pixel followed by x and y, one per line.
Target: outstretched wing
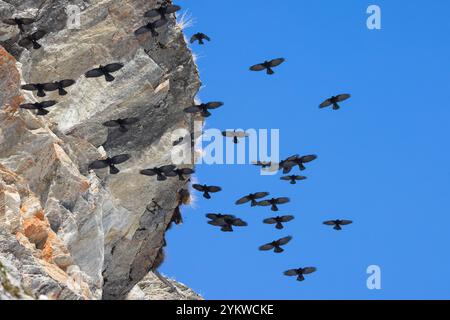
pixel 264 203
pixel 193 38
pixel 240 134
pixel 193 109
pixel 120 158
pixel 172 9
pixel 299 178
pixel 217 223
pixel 346 222
pixel 260 195
pixel 186 171
pixel 342 97
pixel 28 106
pixel 326 103
pixel 148 172
pixel 94 73
pixel 308 158
pixel 282 200
pixel 286 178
pixel 213 216
pixel 113 67
pixel 142 30
pixel 242 200
pixel 29 87
pixel 214 189
pixel 111 123
pixel 330 223
pixel 287 218
pixel 206 37
pixel 50 86
pixel 284 240
pixel 99 164
pixel 291 273
pixel 276 62
pixel 214 105
pixel 266 247
pixel 152 13
pixel 66 83
pixel 309 270
pixel 258 67
pixel 270 221
pixel 48 104
pixel 239 223
pixel 198 187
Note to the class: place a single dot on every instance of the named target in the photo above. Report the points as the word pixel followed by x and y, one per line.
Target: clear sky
pixel 384 158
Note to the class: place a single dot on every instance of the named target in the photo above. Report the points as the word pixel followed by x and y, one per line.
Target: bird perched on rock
pixel 206 190
pixel 104 71
pixel 293 179
pixel 337 223
pixel 59 85
pixel 236 135
pixel 274 202
pixel 151 27
pixel 32 39
pixel 334 100
pixel 110 162
pixel 162 172
pixel 276 245
pixel 252 197
pixel 278 221
pixel 226 222
pixel 39 106
pixel 19 22
pixel 182 172
pixel 200 37
pixel 123 124
pixel 162 11
pixel 267 65
pixel 204 108
pixel 300 272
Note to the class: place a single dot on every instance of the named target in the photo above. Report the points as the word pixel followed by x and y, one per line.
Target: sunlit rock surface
pixel 67 232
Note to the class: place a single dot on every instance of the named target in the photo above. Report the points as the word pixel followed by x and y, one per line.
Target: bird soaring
pixel 252 197
pixel 267 65
pixel 274 202
pixel 337 224
pixel 236 135
pixel 293 179
pixel 151 27
pixel 200 37
pixel 59 85
pixel 204 108
pixel 276 245
pixel 39 106
pixel 32 39
pixel 300 272
pixel 334 100
pixel 278 221
pixel 39 87
pixel 123 124
pixel 206 190
pixel 104 71
pixel 161 173
pixel 226 222
pixel 162 11
pixel 110 162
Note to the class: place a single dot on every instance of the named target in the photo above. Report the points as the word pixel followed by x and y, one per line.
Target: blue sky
pixel 383 158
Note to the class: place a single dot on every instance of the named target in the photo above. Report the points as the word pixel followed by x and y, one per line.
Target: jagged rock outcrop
pixel 67 232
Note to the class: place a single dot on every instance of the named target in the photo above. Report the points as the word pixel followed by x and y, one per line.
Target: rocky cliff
pixel 67 232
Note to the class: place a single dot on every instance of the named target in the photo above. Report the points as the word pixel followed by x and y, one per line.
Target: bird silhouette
pixel 123 124
pixel 19 22
pixel 274 202
pixel 162 11
pixel 200 37
pixel 104 71
pixel 39 106
pixel 267 65
pixel 110 162
pixel 300 272
pixel 39 87
pixel 204 108
pixel 59 85
pixel 32 39
pixel 293 179
pixel 236 135
pixel 278 221
pixel 206 190
pixel 161 173
pixel 182 172
pixel 252 197
pixel 296 160
pixel 276 245
pixel 337 223
pixel 151 27
pixel 334 100
pixel 226 222
pixel 263 164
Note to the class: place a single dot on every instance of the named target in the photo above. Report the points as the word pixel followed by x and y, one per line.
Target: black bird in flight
pixel 252 197
pixel 162 11
pixel 273 202
pixel 296 160
pixel 206 190
pixel 200 37
pixel 333 101
pixel 182 172
pixel 267 65
pixel 104 71
pixel 123 124
pixel 337 223
pixel 32 39
pixel 276 245
pixel 300 272
pixel 226 222
pixel 293 179
pixel 263 164
pixel 59 85
pixel 39 106
pixel 162 172
pixel 278 221
pixel 151 27
pixel 110 162
pixel 204 108
pixel 19 22
pixel 236 135
pixel 39 87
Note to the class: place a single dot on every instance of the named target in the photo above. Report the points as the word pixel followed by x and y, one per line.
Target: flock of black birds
pixel 225 222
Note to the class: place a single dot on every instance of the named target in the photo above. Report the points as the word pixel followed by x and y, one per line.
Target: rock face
pixel 67 232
